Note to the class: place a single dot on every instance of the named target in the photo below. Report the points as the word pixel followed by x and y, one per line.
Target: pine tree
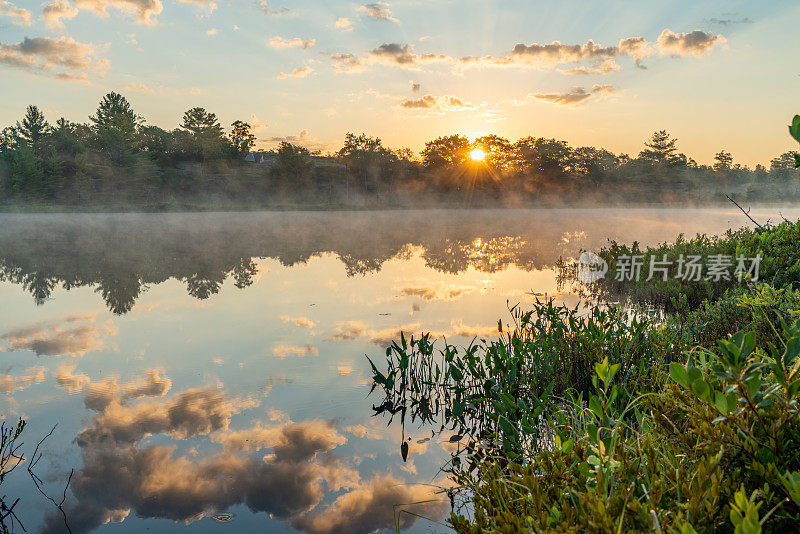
pixel 33 126
pixel 660 149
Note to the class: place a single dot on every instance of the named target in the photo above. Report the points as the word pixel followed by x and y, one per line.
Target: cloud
pixel 212 31
pixel 10 384
pixel 347 63
pixel 378 11
pixel 264 6
pixel 636 47
pixel 62 58
pixel 67 378
pixel 72 336
pixel 280 42
pixel 300 72
pixel 344 24
pixel 606 67
pixel 54 12
pixel 304 139
pixel 348 330
pixel 20 16
pixel 729 21
pixel 145 11
pixel 574 96
pixel 697 43
pixel 303 322
pixel 398 55
pixel 284 351
pixel 438 103
pixel 374 506
pixel 138 88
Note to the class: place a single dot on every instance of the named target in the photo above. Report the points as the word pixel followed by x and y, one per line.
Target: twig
pixel 747 213
pixel 38 481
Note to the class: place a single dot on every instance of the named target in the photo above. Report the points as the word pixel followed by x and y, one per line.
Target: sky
pixel 607 73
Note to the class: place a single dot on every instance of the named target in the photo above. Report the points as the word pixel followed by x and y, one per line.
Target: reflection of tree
pixel 127 253
pixel 244 272
pixel 203 286
pixel 120 291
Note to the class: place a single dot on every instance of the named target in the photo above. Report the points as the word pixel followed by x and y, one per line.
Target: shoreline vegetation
pixel 601 418
pixel 117 162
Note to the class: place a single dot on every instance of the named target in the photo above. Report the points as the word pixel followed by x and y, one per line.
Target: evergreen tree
pixel 115 126
pixel 661 150
pixel 34 127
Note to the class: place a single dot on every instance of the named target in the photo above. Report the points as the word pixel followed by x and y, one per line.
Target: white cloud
pixel 280 42
pixel 697 43
pixel 378 11
pixel 55 12
pixel 145 11
pixel 20 16
pixel 300 72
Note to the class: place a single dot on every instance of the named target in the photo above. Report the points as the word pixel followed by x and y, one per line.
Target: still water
pixel 207 372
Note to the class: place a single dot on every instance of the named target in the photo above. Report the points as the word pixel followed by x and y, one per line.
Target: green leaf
pixel 678 373
pixel 794 128
pixel 595 407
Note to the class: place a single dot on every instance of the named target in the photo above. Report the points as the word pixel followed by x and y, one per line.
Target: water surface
pixel 207 371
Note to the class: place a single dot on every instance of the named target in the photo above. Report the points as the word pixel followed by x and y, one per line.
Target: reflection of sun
pixel 477 154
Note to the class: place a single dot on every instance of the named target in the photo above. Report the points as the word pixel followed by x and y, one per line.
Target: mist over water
pixel 200 365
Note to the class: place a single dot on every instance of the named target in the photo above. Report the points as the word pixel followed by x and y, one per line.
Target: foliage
pixel 794 130
pixel 715 451
pixel 776 246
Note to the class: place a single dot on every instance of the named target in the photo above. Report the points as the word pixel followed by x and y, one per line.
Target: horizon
pixel 408 72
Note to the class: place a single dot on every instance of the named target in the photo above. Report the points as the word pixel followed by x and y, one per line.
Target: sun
pixel 477 155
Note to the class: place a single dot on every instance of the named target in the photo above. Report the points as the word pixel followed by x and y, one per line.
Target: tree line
pixel 117 156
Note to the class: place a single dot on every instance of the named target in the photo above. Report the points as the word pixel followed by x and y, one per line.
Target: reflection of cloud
pixel 386 336
pixel 349 330
pixel 189 413
pixel 288 482
pixel 101 394
pixel 463 330
pixel 372 506
pixel 67 378
pixel 10 384
pixel 437 291
pixel 67 337
pixel 284 351
pixel 304 322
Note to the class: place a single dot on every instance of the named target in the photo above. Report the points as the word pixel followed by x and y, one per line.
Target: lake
pixel 208 372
